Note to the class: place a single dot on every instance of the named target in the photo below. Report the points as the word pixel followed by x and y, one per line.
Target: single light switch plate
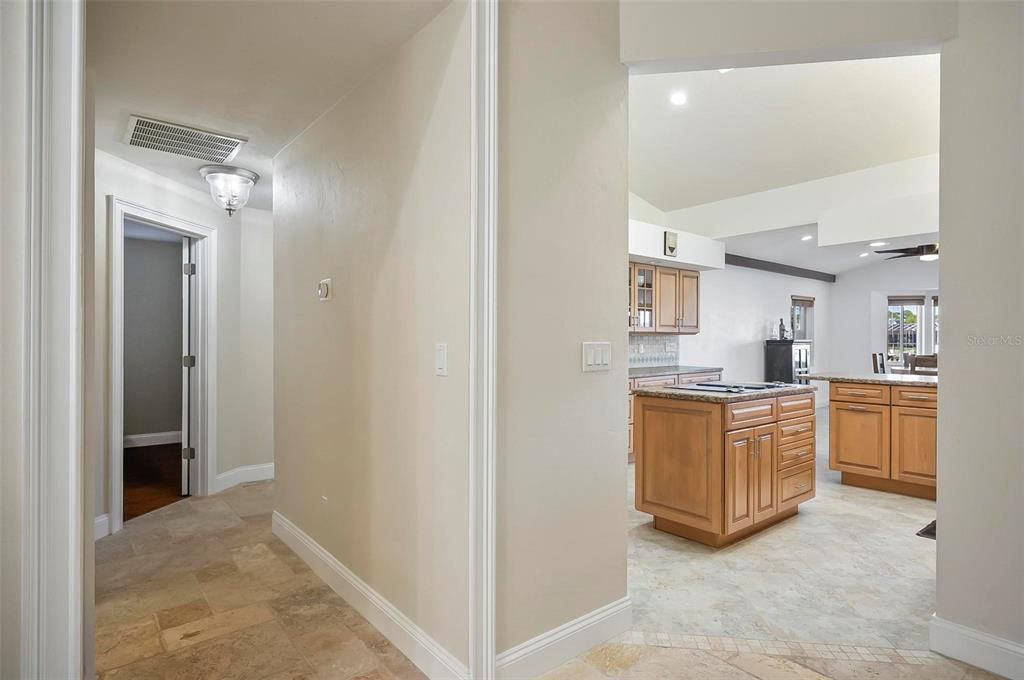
pixel 441 359
pixel 324 290
pixel 597 356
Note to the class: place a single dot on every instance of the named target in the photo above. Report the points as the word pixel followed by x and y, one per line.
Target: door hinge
pixel 189 268
pixel 188 453
pixel 189 361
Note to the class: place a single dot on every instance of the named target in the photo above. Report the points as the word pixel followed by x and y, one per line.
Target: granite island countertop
pixel 900 379
pixel 682 393
pixel 655 371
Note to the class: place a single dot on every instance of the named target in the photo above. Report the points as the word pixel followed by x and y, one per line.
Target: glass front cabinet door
pixel 641 295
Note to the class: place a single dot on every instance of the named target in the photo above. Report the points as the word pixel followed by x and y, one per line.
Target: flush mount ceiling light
pixel 929 258
pixel 678 98
pixel 229 186
pixel 878 244
pixel 724 70
pixel 863 254
pixel 806 238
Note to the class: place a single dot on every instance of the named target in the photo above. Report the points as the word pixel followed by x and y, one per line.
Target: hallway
pixel 201 589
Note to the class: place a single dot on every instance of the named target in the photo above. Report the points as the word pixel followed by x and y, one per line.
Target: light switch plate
pixel 441 359
pixel 324 290
pixel 597 356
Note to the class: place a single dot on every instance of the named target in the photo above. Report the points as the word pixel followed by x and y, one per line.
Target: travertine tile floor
pixel 843 591
pixel 202 590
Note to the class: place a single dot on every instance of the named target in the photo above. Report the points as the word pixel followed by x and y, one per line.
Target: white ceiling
pixel 762 128
pixel 786 246
pixel 262 70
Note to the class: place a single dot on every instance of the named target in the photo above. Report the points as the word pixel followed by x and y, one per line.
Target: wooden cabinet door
pixel 666 300
pixel 642 297
pixel 764 471
pixel 859 439
pixel 913 445
pixel 689 302
pixel 739 471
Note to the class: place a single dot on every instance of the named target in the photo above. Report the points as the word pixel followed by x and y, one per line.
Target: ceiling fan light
pixel 931 257
pixel 229 186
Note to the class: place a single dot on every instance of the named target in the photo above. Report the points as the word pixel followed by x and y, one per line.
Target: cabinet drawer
pixel 796 405
pixel 859 393
pixel 796 485
pixel 796 454
pixel 750 413
pixel 687 378
pixel 795 430
pixel 919 397
pixel 655 381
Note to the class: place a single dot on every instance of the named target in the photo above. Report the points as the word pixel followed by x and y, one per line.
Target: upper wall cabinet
pixel 663 299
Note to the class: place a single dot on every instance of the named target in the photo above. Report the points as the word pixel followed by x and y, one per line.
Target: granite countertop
pixel 905 379
pixel 653 371
pixel 720 397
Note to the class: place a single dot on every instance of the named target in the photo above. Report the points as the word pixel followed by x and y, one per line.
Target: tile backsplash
pixel 653 350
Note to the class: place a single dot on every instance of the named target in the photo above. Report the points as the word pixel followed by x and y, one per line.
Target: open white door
pixel 189 386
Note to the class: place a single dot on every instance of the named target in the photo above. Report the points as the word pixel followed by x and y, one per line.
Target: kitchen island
pixel 717 465
pixel 882 430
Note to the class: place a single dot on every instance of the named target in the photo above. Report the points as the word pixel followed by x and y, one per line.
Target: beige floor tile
pixel 612 658
pixel 113 548
pixel 869 670
pixel 121 645
pixel 200 630
pixel 305 610
pixel 334 652
pixel 664 663
pixel 245 588
pixel 300 672
pixel 185 613
pixel 765 667
pixel 253 652
pixel 216 570
pixel 576 669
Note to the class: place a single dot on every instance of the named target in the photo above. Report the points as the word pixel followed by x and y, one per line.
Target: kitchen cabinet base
pixel 889 485
pixel 716 540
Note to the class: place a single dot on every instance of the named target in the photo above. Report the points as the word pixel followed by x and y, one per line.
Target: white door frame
pixel 483 341
pixel 205 314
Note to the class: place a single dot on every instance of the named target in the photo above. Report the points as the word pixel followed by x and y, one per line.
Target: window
pixel 801 317
pixel 905 315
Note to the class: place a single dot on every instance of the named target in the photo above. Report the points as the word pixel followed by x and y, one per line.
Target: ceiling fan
pixel 927 252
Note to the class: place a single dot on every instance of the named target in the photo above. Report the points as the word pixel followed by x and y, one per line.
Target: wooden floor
pixel 152 478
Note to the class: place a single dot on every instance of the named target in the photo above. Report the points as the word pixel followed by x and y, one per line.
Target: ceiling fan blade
pixel 898 257
pixel 904 251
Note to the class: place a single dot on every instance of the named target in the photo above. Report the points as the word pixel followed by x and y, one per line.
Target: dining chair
pixel 878 362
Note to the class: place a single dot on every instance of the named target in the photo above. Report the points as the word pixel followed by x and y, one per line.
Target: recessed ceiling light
pixel 878 244
pixel 863 254
pixel 806 238
pixel 724 70
pixel 929 258
pixel 678 98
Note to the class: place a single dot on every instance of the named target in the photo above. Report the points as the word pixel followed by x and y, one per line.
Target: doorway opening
pixel 763 536
pixel 161 374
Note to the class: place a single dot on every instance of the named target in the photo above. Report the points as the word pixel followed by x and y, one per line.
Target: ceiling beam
pixel 777 268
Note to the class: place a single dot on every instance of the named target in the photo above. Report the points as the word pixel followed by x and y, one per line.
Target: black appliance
pixel 786 360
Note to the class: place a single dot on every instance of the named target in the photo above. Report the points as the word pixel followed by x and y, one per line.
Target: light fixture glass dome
pixel 229 186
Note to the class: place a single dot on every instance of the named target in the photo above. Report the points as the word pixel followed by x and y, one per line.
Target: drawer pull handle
pixel 856 393
pixel 857 408
pixel 749 409
pixel 801 429
pixel 801 486
pixel 917 397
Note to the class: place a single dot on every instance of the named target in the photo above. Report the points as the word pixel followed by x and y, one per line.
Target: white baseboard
pixel 102 527
pixel 151 439
pixel 241 475
pixel 983 650
pixel 431 658
pixel 549 650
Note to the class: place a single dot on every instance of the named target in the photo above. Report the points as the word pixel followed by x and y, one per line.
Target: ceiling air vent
pixel 204 145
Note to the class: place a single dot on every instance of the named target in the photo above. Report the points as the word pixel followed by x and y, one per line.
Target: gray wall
pixel 152 336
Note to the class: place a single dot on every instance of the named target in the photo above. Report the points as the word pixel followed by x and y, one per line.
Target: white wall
pixel 127 181
pixel 373 447
pixel 644 211
pixel 693 251
pixel 703 34
pixel 900 198
pixel 562 257
pixel 859 304
pixel 152 336
pixel 980 459
pixel 739 308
